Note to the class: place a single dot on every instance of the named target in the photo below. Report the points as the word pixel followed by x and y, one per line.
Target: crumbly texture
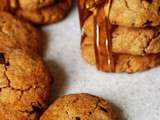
pixel 79 107
pixel 15 33
pixel 25 85
pixel 134 41
pixel 47 15
pixel 135 13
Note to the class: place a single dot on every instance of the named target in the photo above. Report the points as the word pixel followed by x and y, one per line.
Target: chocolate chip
pixel 2 58
pixel 103 109
pixel 77 118
pixel 37 110
pixel 148 23
pixel 133 24
pixel 90 113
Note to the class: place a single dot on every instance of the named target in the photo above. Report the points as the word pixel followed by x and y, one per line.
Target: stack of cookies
pixel 38 11
pixel 120 36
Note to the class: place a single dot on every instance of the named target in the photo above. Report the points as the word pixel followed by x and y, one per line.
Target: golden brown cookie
pixel 135 13
pixel 79 107
pixel 25 85
pixel 134 41
pixel 131 13
pixel 122 62
pixel 16 33
pixel 46 15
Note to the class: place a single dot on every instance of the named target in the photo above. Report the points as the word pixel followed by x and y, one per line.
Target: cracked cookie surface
pixel 134 41
pixel 79 107
pixel 25 85
pixel 15 33
pixel 46 15
pixel 135 13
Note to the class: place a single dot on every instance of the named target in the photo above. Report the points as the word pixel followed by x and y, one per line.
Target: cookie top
pixel 79 107
pixel 134 41
pixel 135 13
pixel 131 13
pixel 25 85
pixel 33 4
pixel 46 15
pixel 16 33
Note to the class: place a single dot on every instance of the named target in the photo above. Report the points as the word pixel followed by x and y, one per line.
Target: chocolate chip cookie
pixel 133 41
pixel 25 85
pixel 130 13
pixel 122 62
pixel 135 13
pixel 46 15
pixel 15 33
pixel 79 107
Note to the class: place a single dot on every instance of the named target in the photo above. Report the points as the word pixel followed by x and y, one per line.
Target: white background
pixel 135 96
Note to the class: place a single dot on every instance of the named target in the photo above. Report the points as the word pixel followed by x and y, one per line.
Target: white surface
pixel 137 95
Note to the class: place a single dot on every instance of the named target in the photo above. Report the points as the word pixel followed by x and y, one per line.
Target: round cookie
pixel 16 33
pixel 25 85
pixel 79 107
pixel 46 15
pixel 134 41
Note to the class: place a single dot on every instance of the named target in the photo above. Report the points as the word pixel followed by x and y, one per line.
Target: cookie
pixel 135 13
pixel 134 41
pixel 47 15
pixel 16 33
pixel 130 13
pixel 34 4
pixel 25 85
pixel 79 107
pixel 122 62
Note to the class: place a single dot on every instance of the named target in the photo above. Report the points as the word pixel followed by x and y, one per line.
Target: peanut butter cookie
pixel 15 33
pixel 130 13
pixel 25 85
pixel 46 15
pixel 122 62
pixel 134 41
pixel 79 107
